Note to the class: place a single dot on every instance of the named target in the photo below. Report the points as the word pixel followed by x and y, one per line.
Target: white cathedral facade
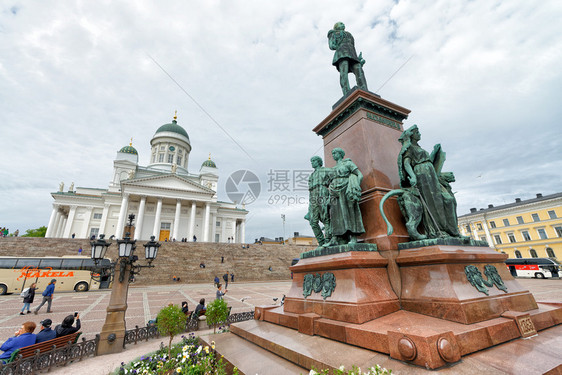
pixel 168 202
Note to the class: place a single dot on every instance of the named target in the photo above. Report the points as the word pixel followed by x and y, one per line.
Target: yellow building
pixel 524 229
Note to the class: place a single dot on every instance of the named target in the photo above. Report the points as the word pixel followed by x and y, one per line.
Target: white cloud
pixel 77 80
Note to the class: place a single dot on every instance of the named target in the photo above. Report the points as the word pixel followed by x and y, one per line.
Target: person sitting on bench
pixel 22 338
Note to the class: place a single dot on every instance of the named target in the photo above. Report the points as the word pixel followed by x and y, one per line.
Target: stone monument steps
pixel 249 358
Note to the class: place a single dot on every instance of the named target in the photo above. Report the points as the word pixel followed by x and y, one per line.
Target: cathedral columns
pixel 242 231
pixel 103 218
pixel 206 222
pixel 213 227
pixel 140 218
pixel 192 221
pixel 176 220
pixel 156 229
pixel 62 226
pixel 69 222
pixel 122 213
pixel 86 223
pixel 51 225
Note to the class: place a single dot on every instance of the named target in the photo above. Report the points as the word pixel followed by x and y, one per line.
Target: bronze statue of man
pixel 345 57
pixel 318 183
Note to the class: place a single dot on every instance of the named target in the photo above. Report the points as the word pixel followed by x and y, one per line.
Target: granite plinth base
pixel 337 249
pixel 435 283
pixel 362 289
pixel 447 241
pixel 415 338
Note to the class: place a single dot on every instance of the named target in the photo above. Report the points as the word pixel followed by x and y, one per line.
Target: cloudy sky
pixel 250 79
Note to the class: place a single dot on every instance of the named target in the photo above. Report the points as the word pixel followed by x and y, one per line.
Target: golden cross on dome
pixel 176 115
pixel 131 143
pixel 209 156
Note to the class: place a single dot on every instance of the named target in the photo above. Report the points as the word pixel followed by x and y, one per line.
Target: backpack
pixel 24 293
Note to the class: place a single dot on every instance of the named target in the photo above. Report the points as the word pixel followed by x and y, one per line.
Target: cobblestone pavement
pixel 143 304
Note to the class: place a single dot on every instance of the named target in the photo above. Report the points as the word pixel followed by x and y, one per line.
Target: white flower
pixel 341 368
pixel 312 372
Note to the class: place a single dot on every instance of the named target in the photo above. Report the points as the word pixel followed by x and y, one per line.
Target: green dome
pixel 174 128
pixel 129 150
pixel 209 163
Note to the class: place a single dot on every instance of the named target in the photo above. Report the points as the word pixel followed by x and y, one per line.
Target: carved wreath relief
pixel 325 283
pixel 475 278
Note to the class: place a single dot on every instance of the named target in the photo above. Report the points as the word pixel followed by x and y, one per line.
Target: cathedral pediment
pixel 169 182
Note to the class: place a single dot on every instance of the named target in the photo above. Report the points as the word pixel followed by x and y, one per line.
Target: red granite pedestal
pixel 415 304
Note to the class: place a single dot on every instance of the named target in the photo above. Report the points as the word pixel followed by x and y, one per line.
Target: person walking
pixel 217 281
pixel 28 296
pixel 225 278
pixel 47 296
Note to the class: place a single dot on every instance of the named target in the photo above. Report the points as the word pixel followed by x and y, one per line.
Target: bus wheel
pixel 3 289
pixel 81 287
pixel 539 275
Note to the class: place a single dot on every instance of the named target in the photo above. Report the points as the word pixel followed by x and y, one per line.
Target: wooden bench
pixel 45 346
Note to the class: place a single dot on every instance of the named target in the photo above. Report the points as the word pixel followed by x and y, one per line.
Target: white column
pixel 69 222
pixel 488 235
pixel 243 231
pixel 156 229
pixel 122 214
pixel 140 218
pixel 58 222
pixel 206 222
pixel 176 221
pixel 62 227
pixel 51 225
pixel 213 227
pixel 104 218
pixel 223 230
pixel 192 221
pixel 86 225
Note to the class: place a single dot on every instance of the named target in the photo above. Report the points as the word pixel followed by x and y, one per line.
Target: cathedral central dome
pixel 173 128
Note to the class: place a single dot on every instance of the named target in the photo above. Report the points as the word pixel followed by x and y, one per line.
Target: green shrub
pixel 217 312
pixel 171 321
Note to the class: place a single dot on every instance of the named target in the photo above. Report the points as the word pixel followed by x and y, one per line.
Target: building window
pixel 154 158
pixel 180 151
pixel 218 224
pixel 97 216
pixel 170 158
pixel 468 229
pixel 552 214
pixel 94 232
pixel 550 253
pixel 511 237
pixel 483 238
pixel 165 226
pixel 498 239
pixel 526 235
pixel 160 158
pixel 492 224
pixel 558 231
pixel 533 253
pixel 542 234
pixel 536 217
pixel 178 160
pixel 520 220
pixel 518 254
pixel 217 237
pixel 506 222
pixel 479 226
pixel 162 148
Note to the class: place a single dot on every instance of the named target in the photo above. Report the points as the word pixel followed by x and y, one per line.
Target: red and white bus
pixel 539 268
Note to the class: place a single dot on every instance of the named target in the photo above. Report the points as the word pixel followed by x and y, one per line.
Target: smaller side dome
pixel 129 150
pixel 209 163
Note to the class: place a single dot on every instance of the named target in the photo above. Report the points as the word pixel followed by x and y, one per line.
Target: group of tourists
pixel 28 295
pixel 25 336
pixel 4 232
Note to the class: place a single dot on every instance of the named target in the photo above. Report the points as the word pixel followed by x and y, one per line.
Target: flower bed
pixel 187 357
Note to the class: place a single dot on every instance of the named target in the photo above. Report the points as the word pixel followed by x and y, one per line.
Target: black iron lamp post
pixel 112 335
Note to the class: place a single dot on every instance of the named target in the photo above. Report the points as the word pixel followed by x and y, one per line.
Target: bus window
pixel 50 263
pixel 8 263
pixel 71 264
pixel 28 262
pixel 88 264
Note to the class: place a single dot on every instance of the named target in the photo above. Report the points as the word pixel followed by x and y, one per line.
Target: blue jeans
pixel 25 305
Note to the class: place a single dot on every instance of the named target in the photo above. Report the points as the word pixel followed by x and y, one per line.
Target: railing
pixel 56 357
pixel 133 336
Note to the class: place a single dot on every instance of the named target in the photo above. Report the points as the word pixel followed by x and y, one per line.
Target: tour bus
pixel 71 272
pixel 534 267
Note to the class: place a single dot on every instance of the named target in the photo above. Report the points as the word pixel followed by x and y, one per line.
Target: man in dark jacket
pixel 47 296
pixel 66 327
pixel 46 332
pixel 225 278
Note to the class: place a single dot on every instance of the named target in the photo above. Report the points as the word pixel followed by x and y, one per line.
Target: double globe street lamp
pixel 124 269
